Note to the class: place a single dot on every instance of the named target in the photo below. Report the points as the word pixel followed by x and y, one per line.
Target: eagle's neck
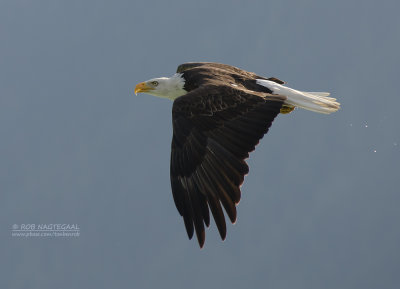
pixel 174 87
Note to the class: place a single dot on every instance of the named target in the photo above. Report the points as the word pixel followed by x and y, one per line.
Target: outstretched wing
pixel 214 129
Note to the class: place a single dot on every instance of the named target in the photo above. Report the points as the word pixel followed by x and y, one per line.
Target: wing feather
pixel 215 129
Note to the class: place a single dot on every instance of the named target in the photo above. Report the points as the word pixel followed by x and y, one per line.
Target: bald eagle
pixel 219 115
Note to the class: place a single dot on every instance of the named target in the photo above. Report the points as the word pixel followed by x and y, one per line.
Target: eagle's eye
pixel 154 83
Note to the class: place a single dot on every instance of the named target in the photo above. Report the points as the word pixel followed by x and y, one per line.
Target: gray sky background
pixel 320 207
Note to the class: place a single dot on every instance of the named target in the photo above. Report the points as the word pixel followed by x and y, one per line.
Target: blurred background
pixel 320 207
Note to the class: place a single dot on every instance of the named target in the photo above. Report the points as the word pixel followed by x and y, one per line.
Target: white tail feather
pixel 314 101
pixel 319 93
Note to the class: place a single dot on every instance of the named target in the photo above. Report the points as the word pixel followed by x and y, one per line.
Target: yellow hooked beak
pixel 142 87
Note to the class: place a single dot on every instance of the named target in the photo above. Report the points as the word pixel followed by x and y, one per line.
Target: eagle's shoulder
pixel 212 66
pixel 188 65
pixel 202 72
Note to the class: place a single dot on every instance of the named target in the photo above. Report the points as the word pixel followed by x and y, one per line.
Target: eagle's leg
pixel 286 108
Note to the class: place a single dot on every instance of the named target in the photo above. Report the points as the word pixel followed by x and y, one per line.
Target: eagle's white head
pixel 165 87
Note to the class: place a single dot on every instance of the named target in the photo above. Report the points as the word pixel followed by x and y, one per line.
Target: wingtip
pixel 201 244
pixel 189 234
pixel 201 238
pixel 223 234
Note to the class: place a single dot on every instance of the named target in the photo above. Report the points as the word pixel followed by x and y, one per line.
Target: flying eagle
pixel 219 115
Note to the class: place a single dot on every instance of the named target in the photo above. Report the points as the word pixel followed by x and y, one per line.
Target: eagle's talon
pixel 287 109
